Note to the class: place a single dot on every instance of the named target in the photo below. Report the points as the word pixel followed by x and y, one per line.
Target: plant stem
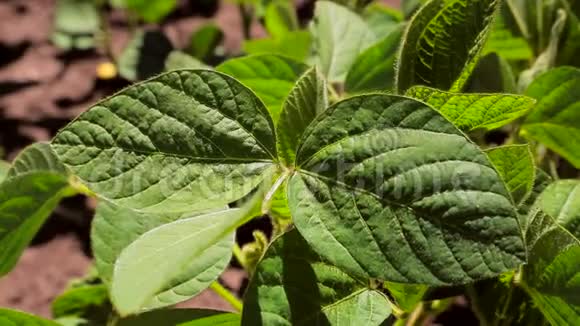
pixel 226 295
pixel 267 203
pixel 240 257
pixel 553 168
pixel 418 316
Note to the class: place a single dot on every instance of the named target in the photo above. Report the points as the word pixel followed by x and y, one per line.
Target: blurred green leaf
pixel 34 186
pixel 26 201
pixel 295 45
pixel 374 69
pixel 88 302
pixel 382 19
pixel 181 60
pixel 182 317
pixel 339 35
pixel 144 56
pixel 76 23
pixel 151 11
pixel 493 74
pixel 17 318
pixel 509 46
pixel 409 7
pixel 204 41
pixel 280 18
pixel 271 77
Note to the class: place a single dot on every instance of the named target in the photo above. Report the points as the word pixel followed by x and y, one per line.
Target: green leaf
pixel 509 46
pixel 561 200
pixel 181 142
pixel 382 19
pixel 17 318
pixel 552 273
pixel 339 36
pixel 36 158
pixel 75 24
pixel 443 43
pixel 292 285
pixel 114 228
pixel 407 296
pixel 306 100
pixel 26 201
pixel 280 18
pixel 569 54
pixel 515 164
pixel 374 69
pixel 90 302
pixel 152 11
pixel 295 45
pixel 204 41
pixel 271 77
pixel 475 111
pixel 34 185
pixel 174 261
pixel 388 188
pixel 409 7
pixel 181 60
pixel 554 120
pixel 182 317
pixel 541 181
pixel 145 55
pixel 493 74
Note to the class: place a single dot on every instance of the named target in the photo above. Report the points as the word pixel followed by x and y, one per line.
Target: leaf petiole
pixel 226 295
pixel 267 203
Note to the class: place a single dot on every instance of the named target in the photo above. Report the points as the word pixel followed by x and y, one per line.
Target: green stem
pixel 267 203
pixel 553 165
pixel 240 257
pixel 226 295
pixel 418 316
pixel 520 21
